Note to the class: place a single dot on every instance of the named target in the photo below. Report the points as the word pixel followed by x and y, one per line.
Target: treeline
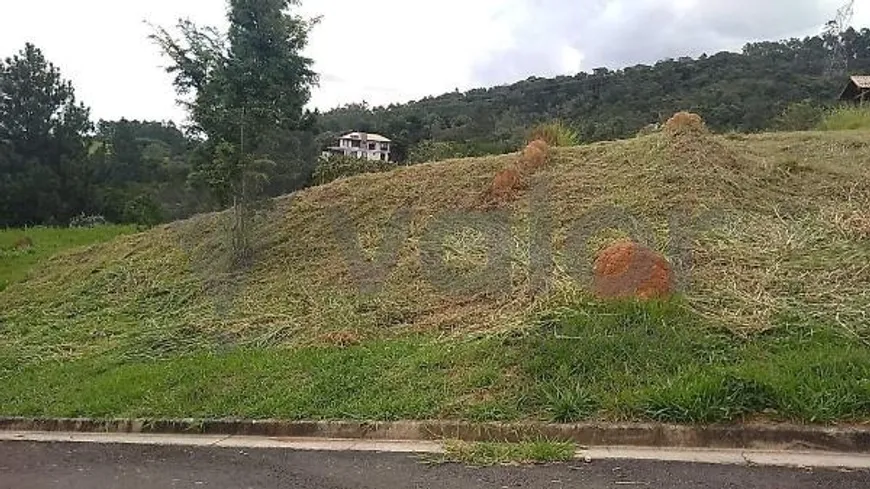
pixel 55 164
pixel 746 91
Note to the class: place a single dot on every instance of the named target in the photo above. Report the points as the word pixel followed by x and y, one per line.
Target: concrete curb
pixel 764 458
pixel 845 439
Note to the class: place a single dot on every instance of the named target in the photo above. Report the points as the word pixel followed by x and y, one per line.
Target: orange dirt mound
pixel 685 123
pixel 506 184
pixel 629 270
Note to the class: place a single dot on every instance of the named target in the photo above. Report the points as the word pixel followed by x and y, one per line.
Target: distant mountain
pixel 743 91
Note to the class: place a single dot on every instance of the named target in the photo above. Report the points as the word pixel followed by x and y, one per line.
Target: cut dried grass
pixel 780 249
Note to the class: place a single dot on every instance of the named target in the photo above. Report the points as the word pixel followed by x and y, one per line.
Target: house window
pixel 385 146
pixel 383 157
pixel 355 144
pixel 373 146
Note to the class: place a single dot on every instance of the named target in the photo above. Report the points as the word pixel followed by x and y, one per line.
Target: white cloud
pixel 572 60
pixel 616 33
pixel 387 51
pixel 103 47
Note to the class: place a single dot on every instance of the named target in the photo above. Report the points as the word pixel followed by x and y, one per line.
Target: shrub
pixel 142 210
pixel 800 116
pixel 555 133
pixel 426 151
pixel 846 118
pixel 333 167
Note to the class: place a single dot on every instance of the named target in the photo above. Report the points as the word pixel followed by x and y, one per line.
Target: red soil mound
pixel 627 269
pixel 506 184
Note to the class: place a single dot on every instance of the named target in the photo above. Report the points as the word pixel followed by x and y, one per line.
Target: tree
pixel 43 155
pixel 141 170
pixel 243 88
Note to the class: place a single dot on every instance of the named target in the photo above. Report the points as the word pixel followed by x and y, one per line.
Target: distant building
pixel 857 91
pixel 362 145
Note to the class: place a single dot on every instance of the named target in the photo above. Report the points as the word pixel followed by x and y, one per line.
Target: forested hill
pixel 743 91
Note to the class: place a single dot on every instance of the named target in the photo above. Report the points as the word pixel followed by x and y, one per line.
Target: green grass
pixel 486 454
pixel 555 133
pixel 846 118
pixel 16 262
pixel 618 362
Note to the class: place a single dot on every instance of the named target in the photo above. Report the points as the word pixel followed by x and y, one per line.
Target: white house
pixel 363 145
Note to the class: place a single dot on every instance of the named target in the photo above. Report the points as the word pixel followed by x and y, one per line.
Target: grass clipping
pixel 480 454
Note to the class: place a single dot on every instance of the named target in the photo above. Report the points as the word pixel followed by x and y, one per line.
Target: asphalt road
pixel 26 465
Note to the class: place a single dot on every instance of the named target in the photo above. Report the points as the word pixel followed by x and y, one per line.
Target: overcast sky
pixel 386 51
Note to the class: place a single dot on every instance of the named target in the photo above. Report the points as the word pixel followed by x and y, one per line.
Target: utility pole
pixel 839 63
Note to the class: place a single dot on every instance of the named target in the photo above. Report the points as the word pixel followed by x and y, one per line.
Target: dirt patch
pixel 24 243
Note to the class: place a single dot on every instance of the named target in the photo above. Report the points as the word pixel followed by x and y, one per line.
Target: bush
pixel 846 118
pixel 143 210
pixel 555 133
pixel 426 151
pixel 800 116
pixel 333 167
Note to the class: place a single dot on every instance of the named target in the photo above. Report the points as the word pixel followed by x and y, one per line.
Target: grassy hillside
pixel 21 249
pixel 771 321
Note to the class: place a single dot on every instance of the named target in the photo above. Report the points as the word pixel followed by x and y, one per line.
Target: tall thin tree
pixel 241 88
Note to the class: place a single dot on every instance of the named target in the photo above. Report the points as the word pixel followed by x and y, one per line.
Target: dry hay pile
pixel 688 137
pixel 534 156
pixel 686 124
pixel 701 169
pixel 689 140
pixel 629 270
